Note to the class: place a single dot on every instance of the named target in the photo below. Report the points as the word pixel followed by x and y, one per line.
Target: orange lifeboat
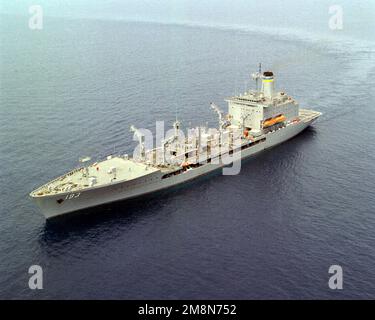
pixel 272 121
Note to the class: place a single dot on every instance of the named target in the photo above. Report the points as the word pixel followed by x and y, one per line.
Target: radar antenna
pixel 256 76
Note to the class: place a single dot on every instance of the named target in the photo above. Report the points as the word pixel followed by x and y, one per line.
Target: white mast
pixel 256 76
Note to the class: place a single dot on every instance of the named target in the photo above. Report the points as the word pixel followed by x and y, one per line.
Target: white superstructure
pixel 256 120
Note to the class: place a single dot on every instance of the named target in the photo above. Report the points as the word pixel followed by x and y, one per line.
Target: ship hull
pixel 57 205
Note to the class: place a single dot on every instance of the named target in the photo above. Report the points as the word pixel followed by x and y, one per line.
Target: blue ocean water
pixel 272 231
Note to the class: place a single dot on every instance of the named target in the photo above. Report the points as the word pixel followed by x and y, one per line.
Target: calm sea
pixel 273 231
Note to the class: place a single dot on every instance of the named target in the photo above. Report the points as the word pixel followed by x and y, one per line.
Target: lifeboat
pixel 273 121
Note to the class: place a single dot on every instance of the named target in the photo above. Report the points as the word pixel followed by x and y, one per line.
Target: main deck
pixel 111 170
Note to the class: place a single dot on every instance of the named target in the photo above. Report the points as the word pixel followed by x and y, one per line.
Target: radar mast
pixel 256 76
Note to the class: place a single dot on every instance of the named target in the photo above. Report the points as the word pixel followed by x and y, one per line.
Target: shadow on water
pixel 128 212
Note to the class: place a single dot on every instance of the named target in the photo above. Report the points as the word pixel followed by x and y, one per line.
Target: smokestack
pixel 268 84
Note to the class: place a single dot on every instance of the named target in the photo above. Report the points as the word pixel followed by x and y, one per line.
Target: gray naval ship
pixel 256 120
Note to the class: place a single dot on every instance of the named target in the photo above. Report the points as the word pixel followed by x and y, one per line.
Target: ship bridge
pixel 251 110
